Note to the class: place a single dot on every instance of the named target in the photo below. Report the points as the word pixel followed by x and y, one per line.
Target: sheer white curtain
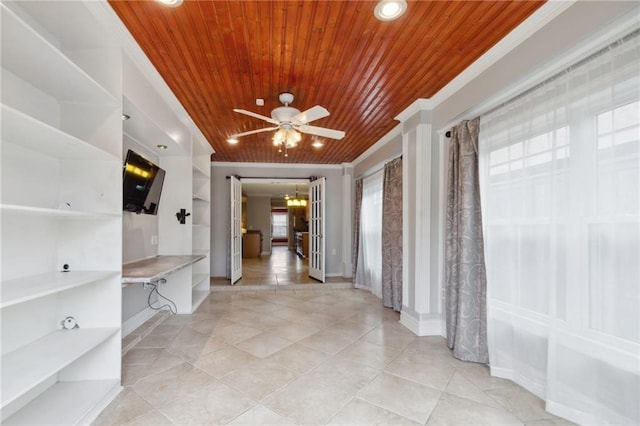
pixel 560 182
pixel 369 270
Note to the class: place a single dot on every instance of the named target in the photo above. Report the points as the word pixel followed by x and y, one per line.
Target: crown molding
pixel 277 165
pixel 418 105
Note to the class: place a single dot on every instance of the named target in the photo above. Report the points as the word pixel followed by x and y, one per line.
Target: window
pixel 560 184
pixel 369 273
pixel 279 225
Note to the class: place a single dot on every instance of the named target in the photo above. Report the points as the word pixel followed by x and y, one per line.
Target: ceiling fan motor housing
pixel 284 114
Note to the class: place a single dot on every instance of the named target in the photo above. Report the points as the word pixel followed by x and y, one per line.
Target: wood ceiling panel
pixel 217 55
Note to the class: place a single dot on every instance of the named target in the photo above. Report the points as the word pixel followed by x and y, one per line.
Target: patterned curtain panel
pixel 392 235
pixel 355 245
pixel 465 276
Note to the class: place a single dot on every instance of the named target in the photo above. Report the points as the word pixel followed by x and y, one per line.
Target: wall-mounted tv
pixel 141 184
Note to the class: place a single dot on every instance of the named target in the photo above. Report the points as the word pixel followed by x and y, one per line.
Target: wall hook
pixel 182 216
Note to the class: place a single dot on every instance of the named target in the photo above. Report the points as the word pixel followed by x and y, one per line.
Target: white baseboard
pixel 335 274
pixel 95 411
pixel 422 326
pixel 137 320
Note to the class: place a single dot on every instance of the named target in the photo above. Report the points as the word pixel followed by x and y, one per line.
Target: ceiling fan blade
pixel 251 132
pixel 313 113
pixel 321 131
pixel 254 115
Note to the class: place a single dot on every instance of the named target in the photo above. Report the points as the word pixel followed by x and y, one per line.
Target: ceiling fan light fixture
pixel 388 10
pixel 317 144
pixel 232 140
pixel 288 138
pixel 170 3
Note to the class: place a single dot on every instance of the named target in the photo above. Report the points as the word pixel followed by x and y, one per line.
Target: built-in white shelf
pixel 201 190
pixel 198 279
pixel 197 298
pixel 22 129
pixel 59 213
pixel 199 172
pixel 23 289
pixel 29 55
pixel 142 128
pixel 201 196
pixel 199 199
pixel 65 403
pixel 27 367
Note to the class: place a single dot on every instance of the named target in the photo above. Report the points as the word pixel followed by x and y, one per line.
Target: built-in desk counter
pixel 174 276
pixel 153 268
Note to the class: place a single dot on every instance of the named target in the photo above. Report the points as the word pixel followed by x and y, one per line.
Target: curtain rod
pixel 311 178
pixel 633 34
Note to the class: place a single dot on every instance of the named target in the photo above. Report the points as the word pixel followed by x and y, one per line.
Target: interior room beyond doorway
pixel 274 250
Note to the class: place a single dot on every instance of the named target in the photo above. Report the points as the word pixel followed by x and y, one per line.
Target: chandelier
pixel 295 201
pixel 286 137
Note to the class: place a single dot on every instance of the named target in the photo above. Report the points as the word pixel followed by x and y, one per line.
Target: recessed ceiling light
pixel 162 147
pixel 232 140
pixel 170 3
pixel 388 10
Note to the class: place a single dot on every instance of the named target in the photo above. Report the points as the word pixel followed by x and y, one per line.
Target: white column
pixel 347 218
pixel 421 310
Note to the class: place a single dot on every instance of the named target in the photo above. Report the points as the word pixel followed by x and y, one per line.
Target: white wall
pixel 220 206
pixel 139 232
pixel 259 218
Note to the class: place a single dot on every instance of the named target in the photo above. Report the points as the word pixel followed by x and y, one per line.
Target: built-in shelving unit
pixel 186 161
pixel 60 204
pixel 201 225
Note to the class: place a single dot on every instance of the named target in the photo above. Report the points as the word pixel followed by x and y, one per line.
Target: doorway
pixel 266 217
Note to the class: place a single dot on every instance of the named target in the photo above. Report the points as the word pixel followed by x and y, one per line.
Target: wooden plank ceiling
pixel 218 55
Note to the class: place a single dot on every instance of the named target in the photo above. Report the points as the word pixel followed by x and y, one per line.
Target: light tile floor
pixel 281 268
pixel 307 355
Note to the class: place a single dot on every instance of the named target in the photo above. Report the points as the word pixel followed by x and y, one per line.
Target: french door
pixel 236 229
pixel 316 229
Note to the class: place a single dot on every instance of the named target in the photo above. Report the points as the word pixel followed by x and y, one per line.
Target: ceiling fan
pixel 289 122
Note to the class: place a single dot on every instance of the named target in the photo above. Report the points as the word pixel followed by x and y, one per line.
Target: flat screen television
pixel 141 184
